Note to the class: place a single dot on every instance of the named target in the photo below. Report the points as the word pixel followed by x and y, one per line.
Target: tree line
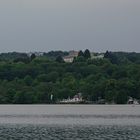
pixel 33 79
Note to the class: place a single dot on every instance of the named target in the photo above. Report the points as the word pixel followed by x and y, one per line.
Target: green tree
pixel 110 90
pixel 59 59
pixel 121 97
pixel 81 53
pixel 87 54
pixel 33 56
pixel 28 80
pixel 112 57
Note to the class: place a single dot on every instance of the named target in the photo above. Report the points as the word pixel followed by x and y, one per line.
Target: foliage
pixel 113 78
pixel 80 53
pixel 33 56
pixel 87 54
pixel 59 59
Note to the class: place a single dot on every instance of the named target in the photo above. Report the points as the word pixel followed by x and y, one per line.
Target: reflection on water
pixel 58 122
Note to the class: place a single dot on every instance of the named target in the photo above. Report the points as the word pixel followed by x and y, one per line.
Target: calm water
pixel 54 122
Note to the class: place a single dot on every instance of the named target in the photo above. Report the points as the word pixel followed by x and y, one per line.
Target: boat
pixel 133 101
pixel 77 99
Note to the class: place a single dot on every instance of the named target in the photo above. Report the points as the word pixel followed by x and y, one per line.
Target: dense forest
pixel 33 79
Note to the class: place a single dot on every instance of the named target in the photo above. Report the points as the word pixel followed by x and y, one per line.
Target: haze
pixel 44 25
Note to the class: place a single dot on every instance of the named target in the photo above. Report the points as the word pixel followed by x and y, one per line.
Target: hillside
pixel 114 78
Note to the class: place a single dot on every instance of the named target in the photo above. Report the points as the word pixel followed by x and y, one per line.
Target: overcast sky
pixel 44 25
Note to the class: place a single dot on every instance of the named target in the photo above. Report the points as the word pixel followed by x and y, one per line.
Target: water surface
pixel 69 122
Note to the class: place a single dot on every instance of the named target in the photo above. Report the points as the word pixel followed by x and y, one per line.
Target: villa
pixel 69 58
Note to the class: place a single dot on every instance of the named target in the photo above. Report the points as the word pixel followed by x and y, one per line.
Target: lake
pixel 68 122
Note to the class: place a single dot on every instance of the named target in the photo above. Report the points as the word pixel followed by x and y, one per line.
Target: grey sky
pixel 44 25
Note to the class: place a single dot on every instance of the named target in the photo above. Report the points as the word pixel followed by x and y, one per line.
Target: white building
pixel 98 56
pixel 70 57
pixel 76 99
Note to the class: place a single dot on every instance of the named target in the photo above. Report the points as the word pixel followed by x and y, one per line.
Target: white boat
pixel 133 101
pixel 75 100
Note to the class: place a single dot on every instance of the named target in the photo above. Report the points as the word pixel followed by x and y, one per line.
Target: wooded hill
pixel 32 79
